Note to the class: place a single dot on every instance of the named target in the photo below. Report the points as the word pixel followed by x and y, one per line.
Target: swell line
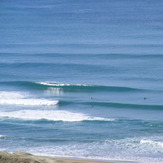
pixel 71 87
pixel 124 105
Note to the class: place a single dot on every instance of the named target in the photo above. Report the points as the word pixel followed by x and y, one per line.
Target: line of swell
pixel 124 105
pixel 122 55
pixel 72 87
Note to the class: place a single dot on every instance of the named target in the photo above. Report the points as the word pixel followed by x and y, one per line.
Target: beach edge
pixel 23 157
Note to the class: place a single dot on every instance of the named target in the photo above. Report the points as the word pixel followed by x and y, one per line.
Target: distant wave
pixel 20 98
pixel 71 87
pixel 52 115
pixel 85 87
pixel 115 105
pixel 124 105
pixel 62 84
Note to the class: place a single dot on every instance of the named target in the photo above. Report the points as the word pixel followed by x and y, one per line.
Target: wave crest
pixel 62 84
pixel 72 87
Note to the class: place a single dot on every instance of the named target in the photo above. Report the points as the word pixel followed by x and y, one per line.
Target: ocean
pixel 82 78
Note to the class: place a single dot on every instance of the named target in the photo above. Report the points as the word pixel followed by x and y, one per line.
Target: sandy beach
pixel 20 157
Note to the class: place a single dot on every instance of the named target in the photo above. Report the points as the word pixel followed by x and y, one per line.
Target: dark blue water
pixel 82 78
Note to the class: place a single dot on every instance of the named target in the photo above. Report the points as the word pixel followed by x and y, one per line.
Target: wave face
pixel 124 105
pixel 82 78
pixel 88 88
pixel 72 87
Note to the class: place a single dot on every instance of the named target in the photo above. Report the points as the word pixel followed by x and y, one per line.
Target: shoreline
pixel 22 157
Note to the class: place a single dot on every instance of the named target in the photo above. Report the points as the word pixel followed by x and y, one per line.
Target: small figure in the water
pixel 145 98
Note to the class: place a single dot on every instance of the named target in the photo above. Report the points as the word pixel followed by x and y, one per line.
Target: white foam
pixel 151 142
pixel 119 149
pixel 22 98
pixel 11 95
pixel 54 115
pixel 2 136
pixel 60 84
pixel 29 102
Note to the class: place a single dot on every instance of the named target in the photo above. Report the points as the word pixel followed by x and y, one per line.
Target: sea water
pixel 82 78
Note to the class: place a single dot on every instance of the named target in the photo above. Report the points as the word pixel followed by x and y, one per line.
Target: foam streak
pixel 54 115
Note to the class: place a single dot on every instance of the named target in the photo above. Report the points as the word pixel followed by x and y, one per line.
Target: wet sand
pixel 21 157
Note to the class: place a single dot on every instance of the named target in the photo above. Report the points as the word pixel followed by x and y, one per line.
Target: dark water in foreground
pixel 82 78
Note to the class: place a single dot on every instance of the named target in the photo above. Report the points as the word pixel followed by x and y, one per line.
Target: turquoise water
pixel 82 78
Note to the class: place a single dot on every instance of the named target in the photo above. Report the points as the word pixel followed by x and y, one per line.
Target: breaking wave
pixel 2 136
pixel 54 115
pixel 22 98
pixel 72 87
pixel 152 142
